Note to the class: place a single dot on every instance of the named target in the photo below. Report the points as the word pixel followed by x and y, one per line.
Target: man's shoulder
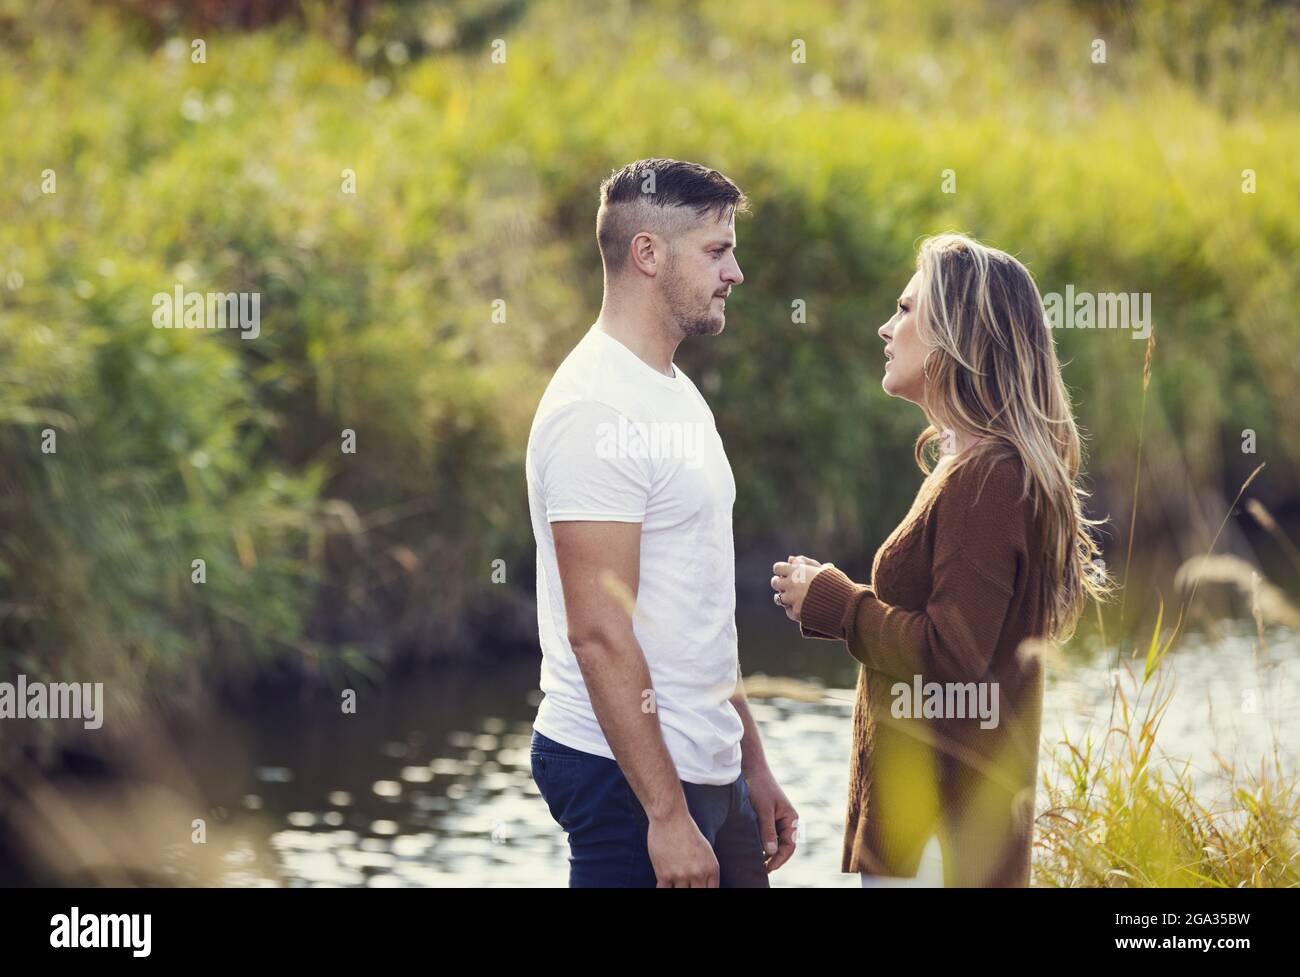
pixel 574 382
pixel 594 375
pixel 577 371
pixel 577 420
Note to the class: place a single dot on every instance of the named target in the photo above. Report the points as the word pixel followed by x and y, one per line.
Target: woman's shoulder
pixel 990 478
pixel 981 504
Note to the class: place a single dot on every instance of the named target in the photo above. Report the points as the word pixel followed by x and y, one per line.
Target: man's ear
pixel 647 253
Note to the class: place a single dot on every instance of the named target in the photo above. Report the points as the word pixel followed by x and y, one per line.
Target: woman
pixel 993 557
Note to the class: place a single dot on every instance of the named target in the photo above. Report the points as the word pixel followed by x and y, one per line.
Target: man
pixel 643 748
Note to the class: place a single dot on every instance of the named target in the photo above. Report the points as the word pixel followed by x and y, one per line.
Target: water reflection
pixel 434 788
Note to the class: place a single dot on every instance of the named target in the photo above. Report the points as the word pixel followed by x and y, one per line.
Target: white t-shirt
pixel 615 440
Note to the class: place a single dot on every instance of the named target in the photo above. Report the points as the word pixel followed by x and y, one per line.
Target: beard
pixel 692 313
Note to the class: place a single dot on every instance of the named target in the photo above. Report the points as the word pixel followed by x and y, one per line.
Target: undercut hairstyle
pixel 666 196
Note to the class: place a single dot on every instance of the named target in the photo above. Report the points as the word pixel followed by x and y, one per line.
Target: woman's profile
pixel 993 557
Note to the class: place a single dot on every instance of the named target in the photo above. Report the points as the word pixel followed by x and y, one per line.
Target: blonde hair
pixel 991 374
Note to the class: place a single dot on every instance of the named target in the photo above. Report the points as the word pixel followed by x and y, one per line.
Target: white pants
pixel 928 876
pixel 870 881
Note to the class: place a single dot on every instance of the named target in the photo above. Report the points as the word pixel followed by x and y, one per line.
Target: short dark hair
pixel 672 183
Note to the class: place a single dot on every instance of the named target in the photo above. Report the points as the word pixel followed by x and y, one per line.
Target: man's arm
pixel 599 564
pixel 778 821
pixel 752 757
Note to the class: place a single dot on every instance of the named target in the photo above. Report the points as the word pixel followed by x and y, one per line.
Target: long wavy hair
pixel 991 374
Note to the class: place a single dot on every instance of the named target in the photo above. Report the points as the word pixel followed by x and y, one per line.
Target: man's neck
pixel 643 335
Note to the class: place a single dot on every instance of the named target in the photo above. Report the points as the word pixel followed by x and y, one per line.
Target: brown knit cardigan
pixel 954 595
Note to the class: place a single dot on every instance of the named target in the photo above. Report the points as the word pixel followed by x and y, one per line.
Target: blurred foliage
pixel 476 181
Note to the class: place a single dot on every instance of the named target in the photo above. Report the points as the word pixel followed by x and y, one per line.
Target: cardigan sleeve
pixel 830 592
pixel 808 632
pixel 832 633
pixel 977 555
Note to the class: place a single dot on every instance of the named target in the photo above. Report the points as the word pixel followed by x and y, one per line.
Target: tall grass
pixel 1123 812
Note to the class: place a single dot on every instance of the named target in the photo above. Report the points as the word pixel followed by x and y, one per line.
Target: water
pixel 429 784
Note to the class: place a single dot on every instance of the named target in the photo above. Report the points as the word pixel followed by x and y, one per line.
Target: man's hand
pixel 790 581
pixel 681 856
pixel 777 818
pixel 600 570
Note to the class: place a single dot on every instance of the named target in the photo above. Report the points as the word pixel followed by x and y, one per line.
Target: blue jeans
pixel 591 800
